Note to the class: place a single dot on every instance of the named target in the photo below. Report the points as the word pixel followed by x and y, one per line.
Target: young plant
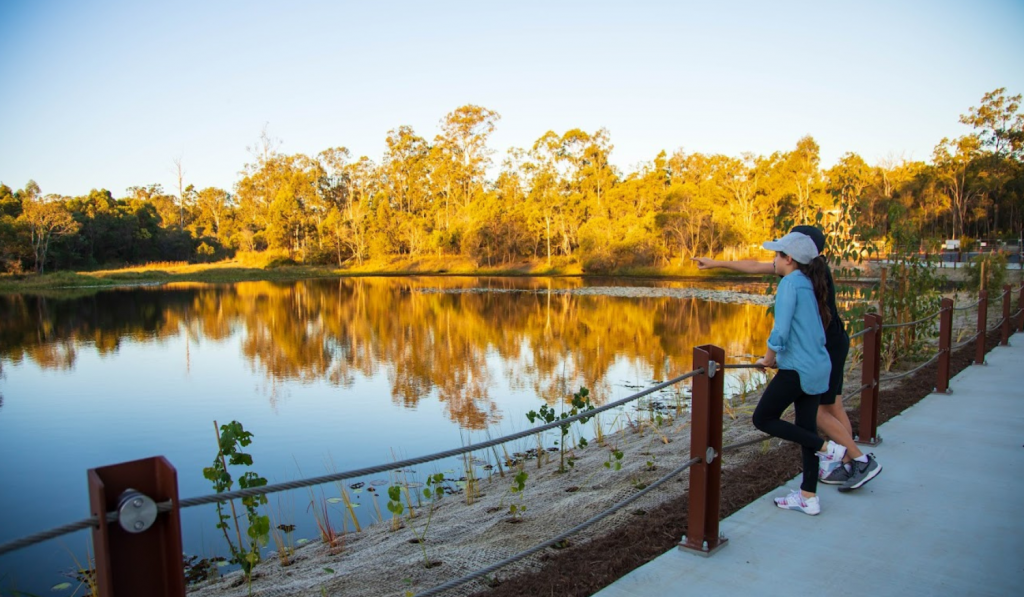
pixel 395 506
pixel 230 439
pixel 433 492
pixel 518 485
pixel 580 403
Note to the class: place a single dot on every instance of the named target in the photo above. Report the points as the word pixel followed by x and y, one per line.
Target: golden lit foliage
pixel 452 338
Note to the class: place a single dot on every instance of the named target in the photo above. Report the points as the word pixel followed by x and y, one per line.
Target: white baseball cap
pixel 797 245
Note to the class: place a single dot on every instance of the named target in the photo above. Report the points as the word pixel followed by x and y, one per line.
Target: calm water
pixel 328 375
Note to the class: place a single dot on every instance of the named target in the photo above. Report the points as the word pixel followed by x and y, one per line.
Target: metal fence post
pixel 702 536
pixel 1004 337
pixel 979 343
pixel 870 368
pixel 945 344
pixel 140 554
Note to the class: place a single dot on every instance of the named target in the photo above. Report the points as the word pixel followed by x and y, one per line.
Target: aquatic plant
pixel 230 439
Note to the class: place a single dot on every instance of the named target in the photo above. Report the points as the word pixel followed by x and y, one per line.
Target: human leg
pixel 783 390
pixel 832 419
pixel 806 408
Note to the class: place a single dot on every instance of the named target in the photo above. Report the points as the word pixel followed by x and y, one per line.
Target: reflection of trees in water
pixel 453 345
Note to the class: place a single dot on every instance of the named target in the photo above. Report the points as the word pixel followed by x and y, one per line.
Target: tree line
pixel 559 201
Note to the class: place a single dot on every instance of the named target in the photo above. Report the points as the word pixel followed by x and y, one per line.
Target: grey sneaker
pixel 838 476
pixel 861 474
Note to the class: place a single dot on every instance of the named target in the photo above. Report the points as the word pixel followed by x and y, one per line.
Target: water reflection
pixel 445 337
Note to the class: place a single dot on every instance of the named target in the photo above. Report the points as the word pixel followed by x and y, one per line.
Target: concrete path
pixel 945 516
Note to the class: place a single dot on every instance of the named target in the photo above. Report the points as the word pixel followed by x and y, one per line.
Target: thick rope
pixel 965 342
pixel 539 547
pixel 914 370
pixel 966 307
pixel 858 390
pixel 887 326
pixel 862 332
pixel 749 442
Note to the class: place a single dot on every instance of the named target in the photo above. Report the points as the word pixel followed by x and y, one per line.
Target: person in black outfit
pixel 852 468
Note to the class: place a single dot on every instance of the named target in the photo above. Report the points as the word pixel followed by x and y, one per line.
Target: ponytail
pixel 817 272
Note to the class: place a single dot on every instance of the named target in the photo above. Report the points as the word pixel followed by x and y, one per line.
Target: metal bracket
pixel 712 368
pixel 710 455
pixel 136 512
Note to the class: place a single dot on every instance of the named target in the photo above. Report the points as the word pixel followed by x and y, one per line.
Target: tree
pixel 47 219
pixel 955 165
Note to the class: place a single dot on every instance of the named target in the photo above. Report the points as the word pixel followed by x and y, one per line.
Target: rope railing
pixel 224 497
pixel 970 340
pixel 966 307
pixel 997 326
pixel 562 537
pixel 887 326
pixel 853 393
pixel 744 444
pixel 912 371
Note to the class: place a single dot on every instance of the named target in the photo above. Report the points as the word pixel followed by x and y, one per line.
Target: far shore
pixel 231 271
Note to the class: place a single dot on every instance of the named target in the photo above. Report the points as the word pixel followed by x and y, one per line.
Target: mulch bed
pixel 585 569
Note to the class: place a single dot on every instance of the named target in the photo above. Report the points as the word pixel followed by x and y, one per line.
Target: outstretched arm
pixel 745 266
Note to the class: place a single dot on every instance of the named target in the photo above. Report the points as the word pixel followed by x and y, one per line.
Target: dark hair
pixel 817 272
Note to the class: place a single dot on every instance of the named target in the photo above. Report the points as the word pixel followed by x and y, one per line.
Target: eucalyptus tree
pixel 47 219
pixel 405 179
pixel 461 157
pixel 957 169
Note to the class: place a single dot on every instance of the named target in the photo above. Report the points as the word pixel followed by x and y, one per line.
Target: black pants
pixel 783 390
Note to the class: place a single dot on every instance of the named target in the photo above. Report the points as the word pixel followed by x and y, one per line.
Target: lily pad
pixel 333 500
pixel 378 482
pixel 302 542
pixel 61 587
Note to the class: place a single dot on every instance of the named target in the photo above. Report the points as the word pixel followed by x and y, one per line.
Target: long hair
pixel 817 272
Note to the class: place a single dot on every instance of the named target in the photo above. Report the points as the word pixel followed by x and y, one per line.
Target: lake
pixel 329 375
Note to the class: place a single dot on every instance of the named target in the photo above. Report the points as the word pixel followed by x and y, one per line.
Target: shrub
pixel 995 271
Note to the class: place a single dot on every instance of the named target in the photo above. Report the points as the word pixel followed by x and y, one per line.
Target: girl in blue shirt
pixel 796 346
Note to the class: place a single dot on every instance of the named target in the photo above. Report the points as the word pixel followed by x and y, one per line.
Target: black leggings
pixel 783 390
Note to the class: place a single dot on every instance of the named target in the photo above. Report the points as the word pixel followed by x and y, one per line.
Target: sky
pixel 107 94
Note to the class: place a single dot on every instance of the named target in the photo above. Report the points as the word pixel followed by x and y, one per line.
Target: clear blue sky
pixel 104 94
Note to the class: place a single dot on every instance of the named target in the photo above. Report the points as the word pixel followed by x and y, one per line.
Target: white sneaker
pixel 830 459
pixel 796 501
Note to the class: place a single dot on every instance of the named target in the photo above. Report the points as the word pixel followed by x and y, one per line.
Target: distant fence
pixel 136 525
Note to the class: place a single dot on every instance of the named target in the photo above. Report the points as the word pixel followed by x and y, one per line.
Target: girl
pixel 796 346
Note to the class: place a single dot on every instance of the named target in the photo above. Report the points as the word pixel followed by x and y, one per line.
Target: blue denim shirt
pixel 798 337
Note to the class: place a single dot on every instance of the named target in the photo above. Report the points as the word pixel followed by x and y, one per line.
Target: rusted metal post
pixel 140 554
pixel 979 343
pixel 870 368
pixel 1004 336
pixel 945 344
pixel 702 536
